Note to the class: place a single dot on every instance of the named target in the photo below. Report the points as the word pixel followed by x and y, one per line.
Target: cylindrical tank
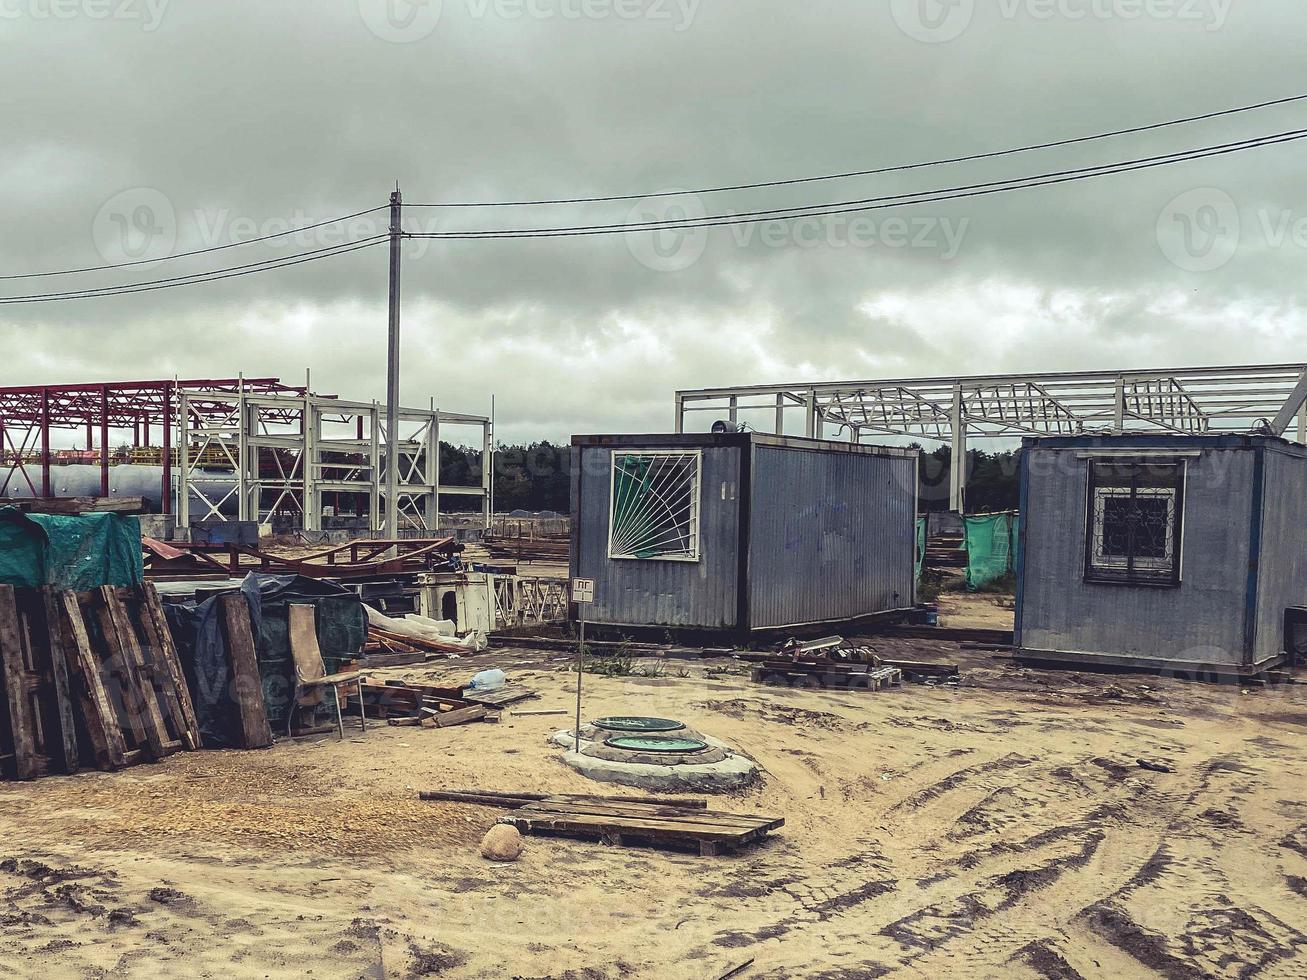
pixel 127 480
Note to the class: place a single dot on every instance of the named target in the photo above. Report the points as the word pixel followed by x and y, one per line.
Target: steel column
pixel 104 440
pixel 167 421
pixel 45 442
pixel 957 493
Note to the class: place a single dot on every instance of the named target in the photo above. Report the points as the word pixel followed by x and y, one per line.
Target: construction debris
pixel 617 824
pixel 618 820
pixel 90 679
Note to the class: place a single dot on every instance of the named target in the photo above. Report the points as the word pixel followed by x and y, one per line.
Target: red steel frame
pixel 34 410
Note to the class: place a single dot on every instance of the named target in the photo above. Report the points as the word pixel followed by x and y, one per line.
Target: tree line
pixel 537 476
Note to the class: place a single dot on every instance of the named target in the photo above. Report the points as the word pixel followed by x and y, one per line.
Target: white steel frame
pixel 300 444
pixel 1263 397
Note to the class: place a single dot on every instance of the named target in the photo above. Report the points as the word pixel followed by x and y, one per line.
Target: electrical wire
pixel 198 251
pixel 899 168
pixel 875 203
pixel 213 275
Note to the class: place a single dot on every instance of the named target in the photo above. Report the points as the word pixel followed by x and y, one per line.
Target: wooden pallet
pixel 90 679
pixel 616 823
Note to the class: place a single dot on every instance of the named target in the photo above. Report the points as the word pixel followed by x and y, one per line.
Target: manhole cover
pixel 657 743
pixel 635 723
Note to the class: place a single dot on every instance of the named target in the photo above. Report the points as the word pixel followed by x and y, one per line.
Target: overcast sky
pixel 144 127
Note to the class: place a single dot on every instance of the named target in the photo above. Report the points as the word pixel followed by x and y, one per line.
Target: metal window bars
pixel 1135 516
pixel 654 505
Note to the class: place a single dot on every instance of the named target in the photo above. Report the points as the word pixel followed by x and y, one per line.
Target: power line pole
pixel 392 374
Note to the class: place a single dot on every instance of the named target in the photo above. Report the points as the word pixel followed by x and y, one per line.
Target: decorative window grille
pixel 655 506
pixel 1136 511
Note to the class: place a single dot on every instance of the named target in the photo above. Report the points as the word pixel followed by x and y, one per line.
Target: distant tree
pixel 992 480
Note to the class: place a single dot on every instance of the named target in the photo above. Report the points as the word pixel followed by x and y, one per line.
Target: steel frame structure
pixel 286 453
pixel 1262 397
pixel 30 414
pixel 279 448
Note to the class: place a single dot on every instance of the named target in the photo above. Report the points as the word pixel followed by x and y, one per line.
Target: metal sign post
pixel 583 593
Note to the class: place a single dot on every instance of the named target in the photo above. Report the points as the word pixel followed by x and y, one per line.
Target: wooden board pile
pixel 619 820
pixel 408 704
pixel 90 680
pixel 387 649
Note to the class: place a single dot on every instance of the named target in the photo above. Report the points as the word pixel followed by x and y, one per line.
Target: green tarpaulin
pixel 991 547
pixel 77 553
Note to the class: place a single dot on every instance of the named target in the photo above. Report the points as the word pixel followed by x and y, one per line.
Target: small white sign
pixel 583 590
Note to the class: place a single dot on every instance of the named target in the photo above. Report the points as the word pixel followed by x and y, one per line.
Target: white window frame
pixel 696 494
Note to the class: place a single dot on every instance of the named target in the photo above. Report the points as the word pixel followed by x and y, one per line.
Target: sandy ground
pixel 1002 828
pixel 976 610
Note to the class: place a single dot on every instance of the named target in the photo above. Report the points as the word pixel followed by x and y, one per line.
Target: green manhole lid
pixel 657 743
pixel 635 723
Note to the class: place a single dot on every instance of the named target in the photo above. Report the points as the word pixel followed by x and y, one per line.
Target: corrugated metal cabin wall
pixel 642 592
pixel 1282 558
pixel 1200 622
pixel 832 535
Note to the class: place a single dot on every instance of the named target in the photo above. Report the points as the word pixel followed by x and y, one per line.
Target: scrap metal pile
pixel 839 663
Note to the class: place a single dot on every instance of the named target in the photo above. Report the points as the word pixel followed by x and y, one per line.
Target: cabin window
pixel 655 506
pixel 1136 509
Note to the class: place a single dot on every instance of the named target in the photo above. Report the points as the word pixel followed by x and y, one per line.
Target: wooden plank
pixel 65 700
pixel 460 716
pixel 155 623
pixel 154 671
pixel 306 655
pixel 256 733
pixel 514 799
pixel 670 823
pixel 141 697
pixel 640 811
pixel 590 824
pixel 508 694
pixel 99 720
pixel 13 668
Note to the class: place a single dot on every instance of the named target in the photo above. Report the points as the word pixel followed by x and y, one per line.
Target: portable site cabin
pixel 1180 552
pixel 742 532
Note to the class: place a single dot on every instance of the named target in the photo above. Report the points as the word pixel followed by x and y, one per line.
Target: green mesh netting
pixel 921 545
pixel 991 547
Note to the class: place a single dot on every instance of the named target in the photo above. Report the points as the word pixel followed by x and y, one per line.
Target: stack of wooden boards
pixel 90 680
pixel 619 820
pixel 407 703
